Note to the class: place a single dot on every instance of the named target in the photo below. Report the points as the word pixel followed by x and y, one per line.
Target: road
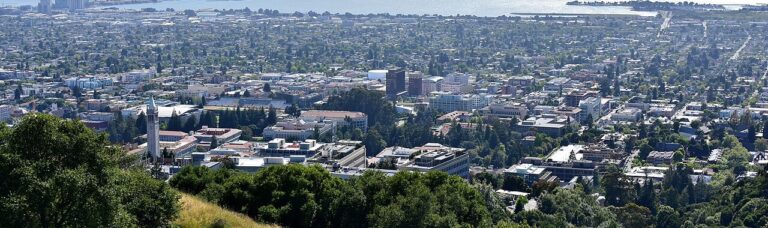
pixel 667 21
pixel 738 52
pixel 628 162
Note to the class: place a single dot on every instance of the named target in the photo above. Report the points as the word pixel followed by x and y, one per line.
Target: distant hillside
pixel 198 213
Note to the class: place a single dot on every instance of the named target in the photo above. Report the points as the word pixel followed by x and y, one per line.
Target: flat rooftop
pixel 563 153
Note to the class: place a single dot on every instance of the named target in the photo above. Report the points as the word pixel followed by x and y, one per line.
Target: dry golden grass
pixel 198 213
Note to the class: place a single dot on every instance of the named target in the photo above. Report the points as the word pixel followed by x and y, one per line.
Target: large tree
pixel 59 173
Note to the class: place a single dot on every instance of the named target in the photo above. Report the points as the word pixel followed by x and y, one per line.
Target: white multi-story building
pixel 340 118
pixel 457 78
pixel 449 102
pixel 88 82
pixel 431 84
pixel 15 74
pixel 430 157
pixel 137 76
pixel 455 83
pixel 631 115
pixel 298 129
pixel 590 106
pixel 506 110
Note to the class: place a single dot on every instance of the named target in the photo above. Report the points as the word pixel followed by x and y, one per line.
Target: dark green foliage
pixel 514 183
pixel 153 203
pixel 124 130
pixel 667 217
pixel 575 207
pixel 254 119
pixel 301 196
pixel 618 189
pixel 370 102
pixel 174 123
pixel 190 124
pixel 632 215
pixel 59 173
pixel 374 142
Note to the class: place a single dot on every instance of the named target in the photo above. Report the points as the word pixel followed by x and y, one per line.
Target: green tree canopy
pixel 59 173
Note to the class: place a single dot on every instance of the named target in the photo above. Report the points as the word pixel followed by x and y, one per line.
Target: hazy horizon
pixel 441 7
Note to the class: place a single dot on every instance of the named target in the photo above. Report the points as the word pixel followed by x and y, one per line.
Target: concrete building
pixel 344 153
pixel 44 6
pixel 547 124
pixel 298 129
pixel 415 83
pixel 448 102
pixel 254 164
pixel 556 85
pixel 71 5
pixel 456 83
pixel 223 135
pixel 529 173
pixel 431 84
pixel 430 157
pixel 280 148
pixel 340 118
pixel 591 109
pixel 575 97
pixel 631 115
pixel 570 161
pixel 658 157
pixel 505 110
pixel 377 74
pixel 522 82
pixel 137 76
pixel 457 78
pixel 395 82
pixel 88 82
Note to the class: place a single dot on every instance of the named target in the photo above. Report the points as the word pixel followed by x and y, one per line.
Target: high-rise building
pixel 395 82
pixel 44 6
pixel 153 130
pixel 415 84
pixel 70 4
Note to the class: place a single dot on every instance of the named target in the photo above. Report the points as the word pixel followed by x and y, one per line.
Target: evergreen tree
pixel 617 187
pixel 214 142
pixel 141 123
pixel 190 125
pixel 267 88
pixel 374 142
pixel 647 195
pixel 765 129
pixel 272 116
pixel 174 123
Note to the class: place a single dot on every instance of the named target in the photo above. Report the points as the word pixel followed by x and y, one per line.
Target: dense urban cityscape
pixel 309 119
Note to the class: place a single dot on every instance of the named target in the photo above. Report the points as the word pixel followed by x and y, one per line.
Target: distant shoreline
pixel 637 5
pixel 575 14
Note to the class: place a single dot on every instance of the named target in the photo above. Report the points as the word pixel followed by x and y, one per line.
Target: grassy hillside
pixel 198 213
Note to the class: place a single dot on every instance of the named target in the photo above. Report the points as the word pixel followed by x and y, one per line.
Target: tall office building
pixel 395 82
pixel 415 84
pixel 70 5
pixel 44 6
pixel 153 130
